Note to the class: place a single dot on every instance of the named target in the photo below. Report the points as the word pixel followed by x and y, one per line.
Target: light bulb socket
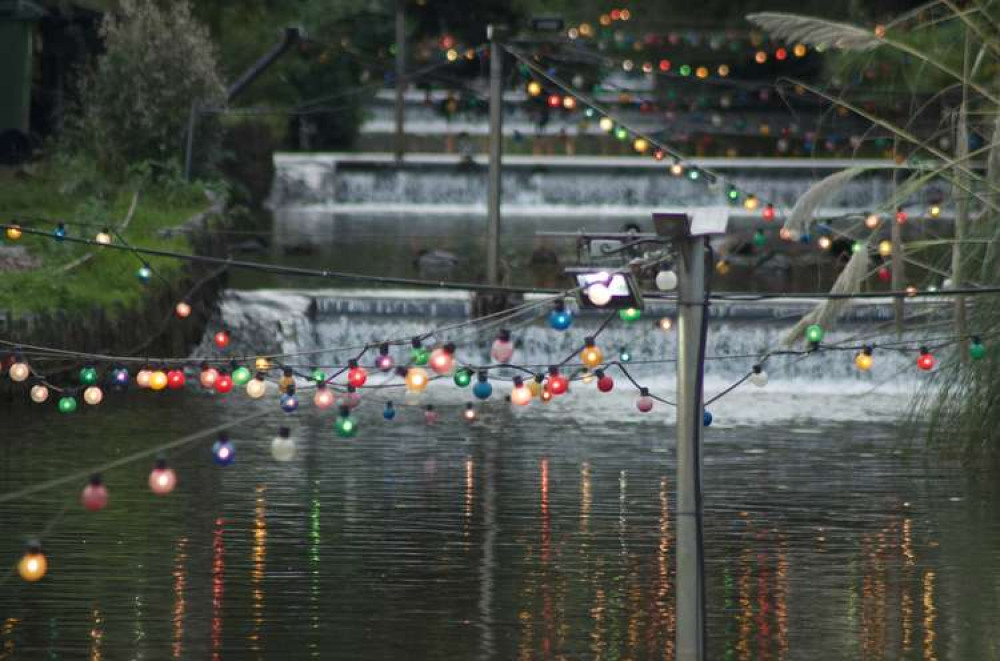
pixel 867 349
pixel 924 351
pixel 259 376
pixel 320 384
pixel 553 370
pixel 416 343
pixel 383 349
pixel 503 335
pixel 429 408
pixel 160 464
pixel 539 378
pixel 518 382
pixel 388 404
pixel 351 389
pixel 352 363
pixel 96 480
pixel 469 406
pixel 449 348
pixel 345 411
pixel 588 342
pixel 33 547
pixel 757 369
pixel 482 376
pixel 559 305
pixel 644 392
pixel 284 432
pixel 599 373
pixel 223 437
pixel 290 390
pixel 401 371
pixel 287 371
pixel 976 339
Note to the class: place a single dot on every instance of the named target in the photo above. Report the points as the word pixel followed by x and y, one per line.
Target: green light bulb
pixel 463 378
pixel 67 404
pixel 241 376
pixel 685 69
pixel 420 356
pixel 621 133
pixel 628 315
pixel 88 376
pixel 345 426
pixel 733 194
pixel 977 350
pixel 759 239
pixel 815 333
pixel 318 375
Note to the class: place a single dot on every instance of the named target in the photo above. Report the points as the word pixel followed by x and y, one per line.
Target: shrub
pixel 135 105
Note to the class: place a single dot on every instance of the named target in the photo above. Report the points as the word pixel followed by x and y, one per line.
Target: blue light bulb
pixel 389 412
pixel 60 232
pixel 483 388
pixel 289 402
pixel 120 377
pixel 223 452
pixel 706 418
pixel 144 274
pixel 560 319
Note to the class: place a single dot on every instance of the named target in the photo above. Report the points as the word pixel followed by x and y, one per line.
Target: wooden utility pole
pixel 400 144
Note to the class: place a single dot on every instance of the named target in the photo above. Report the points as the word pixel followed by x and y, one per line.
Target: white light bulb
pixel 599 294
pixel 283 447
pixel 759 379
pixel 666 280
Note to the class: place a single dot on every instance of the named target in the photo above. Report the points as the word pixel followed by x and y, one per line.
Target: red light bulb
pixel 901 216
pixel 356 375
pixel 223 384
pixel 557 383
pixel 175 379
pixel 768 212
pixel 95 494
pixel 221 339
pixel 442 359
pixel 926 360
pixel 884 275
pixel 604 382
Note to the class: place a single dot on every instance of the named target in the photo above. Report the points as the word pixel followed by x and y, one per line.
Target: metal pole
pixel 189 142
pixel 690 411
pixel 400 78
pixel 961 210
pixel 496 152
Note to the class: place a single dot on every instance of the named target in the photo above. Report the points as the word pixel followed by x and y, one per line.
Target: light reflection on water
pixel 518 537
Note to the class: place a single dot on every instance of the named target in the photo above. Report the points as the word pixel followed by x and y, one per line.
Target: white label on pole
pixel 709 220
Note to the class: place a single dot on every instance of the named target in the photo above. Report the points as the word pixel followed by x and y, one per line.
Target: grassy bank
pixel 45 195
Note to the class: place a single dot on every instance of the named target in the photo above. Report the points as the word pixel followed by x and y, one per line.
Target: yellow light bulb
pixel 13 232
pixel 935 210
pixel 535 387
pixel 158 380
pixel 606 124
pixel 262 364
pixel 863 361
pixel 591 356
pixel 885 248
pixel 33 565
pixel 751 202
pixel 722 267
pixel 534 88
pixel 799 50
pixel 416 379
pixel 640 145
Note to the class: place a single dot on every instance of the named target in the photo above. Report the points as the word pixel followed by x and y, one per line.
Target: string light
pixel 223 452
pixel 389 412
pixel 768 212
pixel 503 349
pixel 356 375
pixel 644 402
pixel 707 418
pixel 223 383
pixel 323 398
pixel 935 210
pixel 759 238
pixel 352 398
pixel 606 124
pixel 287 379
pixel 262 364
pixel 814 333
pixel 88 376
pixel 182 310
pixel 535 385
pixel 19 371
pixel 207 378
pixel 591 355
pixel 534 88
pixel 863 361
pixel 926 359
pixel 557 384
pixel 162 478
pixel 67 404
pixel 521 394
pixel 241 376
pixel 418 354
pixel 483 388
pixel 624 355
pixel 175 379
pixel 901 216
pixel 33 564
pixel 751 202
pixel 282 446
pixel 103 237
pixel 824 242
pixel 430 415
pixel 289 402
pixel 158 380
pixel 560 318
pixel 799 50
pixel 39 393
pixel 599 294
pixel 344 424
pixel 442 359
pixel 93 395
pixel 94 496
pixel 976 349
pixel 384 361
pixel 604 381
pixel 416 379
pixel 257 387
pixel 629 315
pixel 221 339
pixel 666 324
pixel 143 274
pixel 758 376
pixel 13 232
pixel 470 412
pixel 872 221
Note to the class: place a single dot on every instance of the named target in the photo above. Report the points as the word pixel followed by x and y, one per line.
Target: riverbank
pixel 66 294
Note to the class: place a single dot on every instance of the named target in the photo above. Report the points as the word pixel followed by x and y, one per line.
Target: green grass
pixel 109 279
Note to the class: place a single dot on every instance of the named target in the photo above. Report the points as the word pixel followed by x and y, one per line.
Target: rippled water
pixel 547 534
